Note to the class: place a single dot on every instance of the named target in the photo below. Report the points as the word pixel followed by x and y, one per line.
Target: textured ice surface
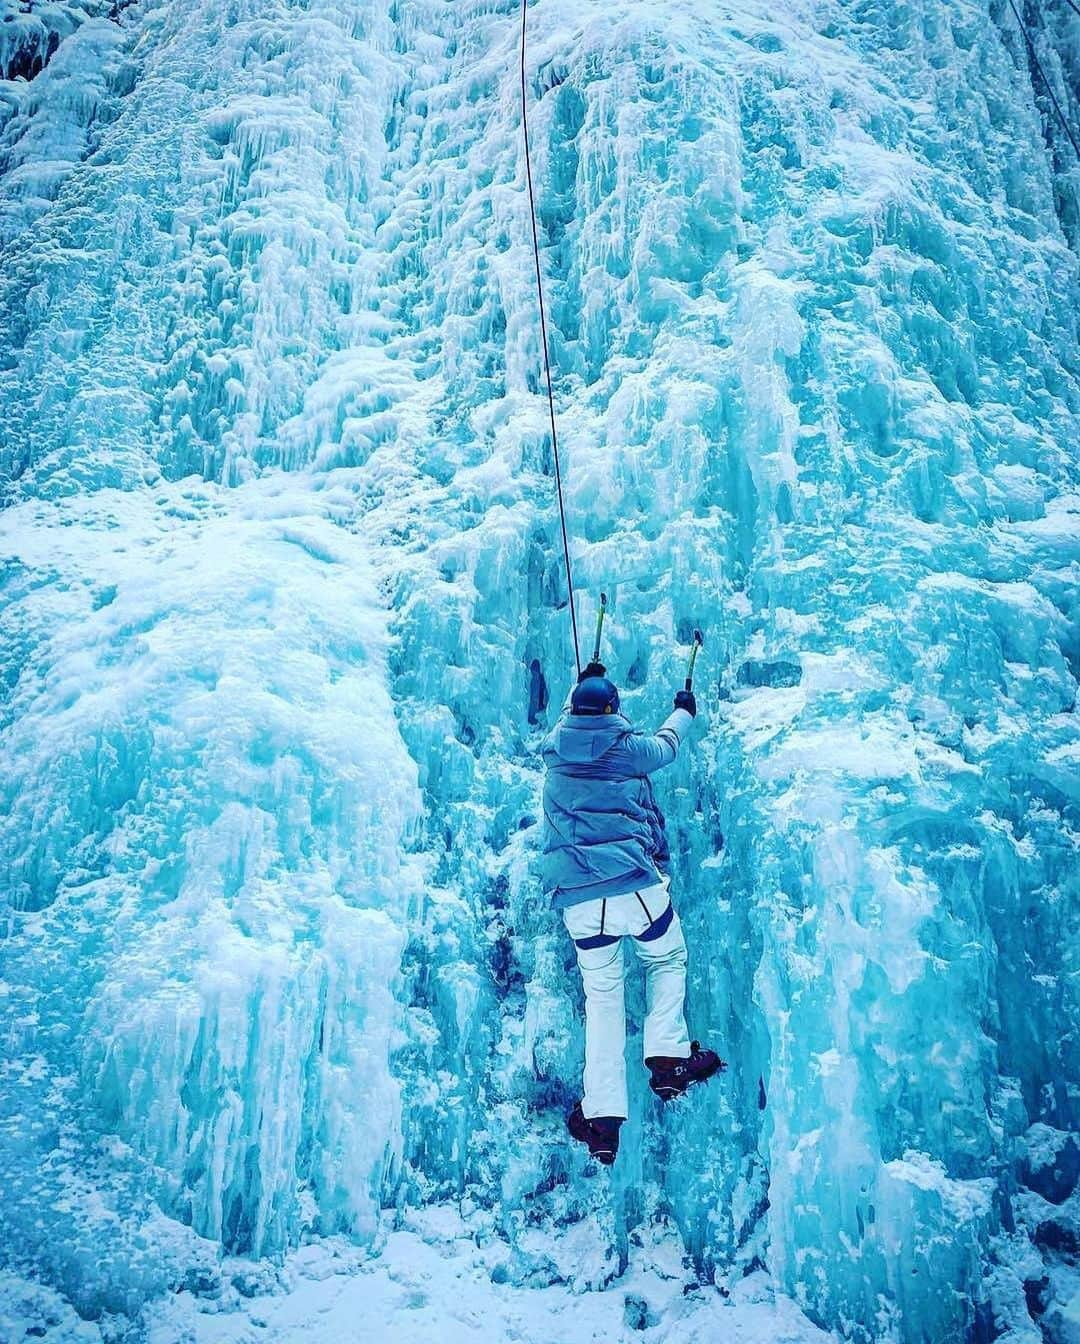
pixel 202 825
pixel 283 620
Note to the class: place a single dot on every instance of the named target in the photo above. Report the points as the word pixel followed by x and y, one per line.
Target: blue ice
pixel 284 619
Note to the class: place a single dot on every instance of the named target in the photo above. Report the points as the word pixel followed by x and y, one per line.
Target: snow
pixel 456 1291
pixel 282 621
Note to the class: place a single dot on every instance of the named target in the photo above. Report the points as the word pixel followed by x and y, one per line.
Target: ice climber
pixel 605 865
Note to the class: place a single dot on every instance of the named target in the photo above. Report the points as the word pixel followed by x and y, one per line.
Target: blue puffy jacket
pixel 603 832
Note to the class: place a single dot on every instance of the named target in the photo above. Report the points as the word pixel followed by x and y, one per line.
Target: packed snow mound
pixel 285 619
pixel 444 1277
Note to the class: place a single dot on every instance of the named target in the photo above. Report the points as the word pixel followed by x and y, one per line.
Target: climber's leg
pixel 600 961
pixel 673 1060
pixel 664 958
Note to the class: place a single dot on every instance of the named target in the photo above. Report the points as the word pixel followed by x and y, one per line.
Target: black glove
pixel 685 700
pixel 593 670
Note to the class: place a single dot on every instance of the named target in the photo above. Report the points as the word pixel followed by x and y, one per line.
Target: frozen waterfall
pixel 283 619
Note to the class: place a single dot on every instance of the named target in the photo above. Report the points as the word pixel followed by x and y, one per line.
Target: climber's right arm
pixel 652 751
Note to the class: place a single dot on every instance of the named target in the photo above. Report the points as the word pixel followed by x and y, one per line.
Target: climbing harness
pixel 655 929
pixel 547 360
pixel 1042 74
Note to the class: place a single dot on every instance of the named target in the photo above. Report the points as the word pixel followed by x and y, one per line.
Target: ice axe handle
pixel 599 627
pixel 698 641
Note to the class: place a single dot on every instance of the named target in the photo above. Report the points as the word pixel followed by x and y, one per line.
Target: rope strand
pixel 544 342
pixel 1042 73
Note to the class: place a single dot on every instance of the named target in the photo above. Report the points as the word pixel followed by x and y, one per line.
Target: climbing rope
pixel 544 343
pixel 1038 66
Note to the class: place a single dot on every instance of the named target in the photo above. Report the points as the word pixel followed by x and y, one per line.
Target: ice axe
pixel 599 626
pixel 698 641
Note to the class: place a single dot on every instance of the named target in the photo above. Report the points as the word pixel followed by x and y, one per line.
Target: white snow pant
pixel 601 968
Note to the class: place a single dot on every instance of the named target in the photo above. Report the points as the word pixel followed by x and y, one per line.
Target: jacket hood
pixel 584 737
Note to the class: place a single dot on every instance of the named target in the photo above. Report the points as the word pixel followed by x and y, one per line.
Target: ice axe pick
pixel 698 641
pixel 599 626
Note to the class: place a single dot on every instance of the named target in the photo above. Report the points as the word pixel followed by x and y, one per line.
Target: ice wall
pixel 206 799
pixel 204 804
pixel 269 373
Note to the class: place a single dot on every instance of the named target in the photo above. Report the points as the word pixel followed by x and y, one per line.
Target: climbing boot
pixel 671 1077
pixel 601 1134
